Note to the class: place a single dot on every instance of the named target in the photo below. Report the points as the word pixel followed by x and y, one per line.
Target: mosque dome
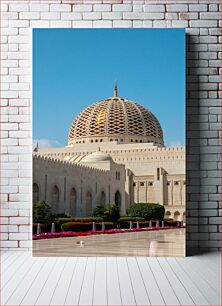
pixel 97 156
pixel 115 119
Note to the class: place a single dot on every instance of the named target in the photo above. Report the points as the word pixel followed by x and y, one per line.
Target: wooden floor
pixel 28 280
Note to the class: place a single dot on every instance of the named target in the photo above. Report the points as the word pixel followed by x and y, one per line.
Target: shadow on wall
pixel 192 148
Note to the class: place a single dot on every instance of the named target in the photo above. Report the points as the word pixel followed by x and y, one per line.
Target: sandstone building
pixel 115 154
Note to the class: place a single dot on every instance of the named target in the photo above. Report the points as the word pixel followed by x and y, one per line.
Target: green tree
pixel 42 213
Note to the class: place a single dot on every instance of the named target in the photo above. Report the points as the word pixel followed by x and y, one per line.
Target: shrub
pixel 99 211
pixel 109 212
pixel 84 226
pixel 42 213
pixel 149 211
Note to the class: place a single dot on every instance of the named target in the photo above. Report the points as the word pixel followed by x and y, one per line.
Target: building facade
pixel 115 154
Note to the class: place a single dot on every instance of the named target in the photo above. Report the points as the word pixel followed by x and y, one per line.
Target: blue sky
pixel 73 68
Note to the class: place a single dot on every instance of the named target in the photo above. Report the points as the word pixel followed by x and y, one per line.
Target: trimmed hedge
pixel 149 211
pixel 59 221
pixel 129 218
pixel 85 226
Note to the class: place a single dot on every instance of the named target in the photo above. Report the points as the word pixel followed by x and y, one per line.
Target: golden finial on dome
pixel 115 89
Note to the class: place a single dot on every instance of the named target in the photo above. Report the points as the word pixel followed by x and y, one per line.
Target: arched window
pixel 72 203
pixel 35 192
pixel 102 198
pixel 176 215
pixel 55 198
pixel 118 198
pixel 88 203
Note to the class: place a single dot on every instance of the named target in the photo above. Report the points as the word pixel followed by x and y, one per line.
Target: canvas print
pixel 109 142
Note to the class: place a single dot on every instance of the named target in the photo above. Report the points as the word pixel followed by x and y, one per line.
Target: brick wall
pixel 201 18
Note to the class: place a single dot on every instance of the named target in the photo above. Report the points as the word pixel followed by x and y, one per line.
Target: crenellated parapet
pixel 56 162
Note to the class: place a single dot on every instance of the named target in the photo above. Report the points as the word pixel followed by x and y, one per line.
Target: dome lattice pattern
pixel 116 119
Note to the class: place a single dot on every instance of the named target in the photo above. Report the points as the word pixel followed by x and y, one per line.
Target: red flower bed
pixel 110 231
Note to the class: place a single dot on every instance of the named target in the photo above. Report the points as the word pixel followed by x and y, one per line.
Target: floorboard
pixel 28 280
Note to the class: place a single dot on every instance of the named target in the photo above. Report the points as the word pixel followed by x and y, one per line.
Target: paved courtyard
pixel 147 243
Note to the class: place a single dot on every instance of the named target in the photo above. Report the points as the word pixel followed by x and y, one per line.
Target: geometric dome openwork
pixel 115 119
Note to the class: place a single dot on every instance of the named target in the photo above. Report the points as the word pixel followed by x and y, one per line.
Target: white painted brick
pixel 13 158
pixel 24 228
pixel 51 16
pixel 9 94
pixel 9 212
pixel 24 212
pixel 37 7
pixel 60 24
pixel 102 7
pixel 122 8
pixel 82 24
pixel 92 15
pixel 203 23
pixel 138 8
pixel 18 118
pixel 138 23
pixel 213 7
pixel 112 15
pixel 82 8
pixel 19 102
pixel 207 15
pixel 4 39
pixel 19 55
pixel 19 71
pixel 187 16
pixel 18 149
pixel 10 173
pixel 197 7
pixel 9 142
pixel 177 8
pixel 71 16
pixel 5 86
pixel 4 7
pixel 8 228
pixel 162 23
pixel 29 15
pixel 25 244
pixel 4 118
pixel 171 16
pixel 18 236
pixel 39 24
pixel 214 47
pixel 10 15
pixel 18 23
pixel 122 24
pixel 9 78
pixel 9 63
pixel 24 126
pixel 20 7
pixel 13 47
pixel 60 8
pixel 4 134
pixel 19 134
pixel 19 39
pixel 154 8
pixel 4 236
pixel 180 23
pixel 143 16
pixel 4 181
pixel 4 220
pixel 9 244
pixel 102 24
pixel 9 31
pixel 215 63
